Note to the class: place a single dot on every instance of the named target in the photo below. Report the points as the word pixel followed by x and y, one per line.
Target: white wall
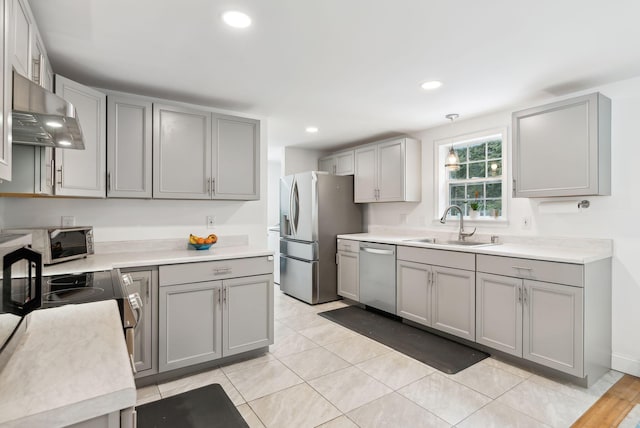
pixel 296 160
pixel 273 188
pixel 610 217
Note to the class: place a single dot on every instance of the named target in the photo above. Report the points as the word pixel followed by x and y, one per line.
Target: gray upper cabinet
pixel 21 34
pixel 388 171
pixel 129 140
pixel 181 153
pixel 82 172
pixel 341 163
pixel 236 158
pixel 202 155
pixel 563 148
pixel 6 85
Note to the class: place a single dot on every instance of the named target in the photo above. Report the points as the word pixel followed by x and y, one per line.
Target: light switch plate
pixel 211 221
pixel 68 220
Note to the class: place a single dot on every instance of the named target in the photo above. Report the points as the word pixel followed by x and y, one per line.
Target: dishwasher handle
pixel 377 251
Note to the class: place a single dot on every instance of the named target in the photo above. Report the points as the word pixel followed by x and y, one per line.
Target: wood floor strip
pixel 611 409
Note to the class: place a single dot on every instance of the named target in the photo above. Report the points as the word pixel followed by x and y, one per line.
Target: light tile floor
pixel 318 373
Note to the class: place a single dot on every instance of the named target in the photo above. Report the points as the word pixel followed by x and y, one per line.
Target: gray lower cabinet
pixel 145 283
pixel 554 314
pixel 190 321
pixel 129 133
pixel 208 310
pixel 439 294
pixel 347 260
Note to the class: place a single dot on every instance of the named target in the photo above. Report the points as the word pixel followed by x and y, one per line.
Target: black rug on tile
pixel 438 352
pixel 204 407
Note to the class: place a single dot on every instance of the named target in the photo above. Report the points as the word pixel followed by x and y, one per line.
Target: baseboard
pixel 625 364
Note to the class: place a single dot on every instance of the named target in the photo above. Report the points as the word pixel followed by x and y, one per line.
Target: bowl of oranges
pixel 200 243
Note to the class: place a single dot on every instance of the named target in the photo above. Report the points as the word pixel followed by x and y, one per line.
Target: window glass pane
pixel 462 153
pixel 456 192
pixel 494 190
pixel 477 152
pixel 495 168
pixel 494 149
pixel 460 174
pixel 477 169
pixel 475 191
pixel 494 204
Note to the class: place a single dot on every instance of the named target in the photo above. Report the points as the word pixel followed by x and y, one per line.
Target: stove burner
pixel 72 294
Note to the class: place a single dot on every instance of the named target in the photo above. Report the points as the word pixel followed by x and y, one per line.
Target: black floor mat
pixel 204 407
pixel 438 352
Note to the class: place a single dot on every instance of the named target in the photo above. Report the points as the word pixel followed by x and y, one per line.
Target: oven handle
pixel 136 305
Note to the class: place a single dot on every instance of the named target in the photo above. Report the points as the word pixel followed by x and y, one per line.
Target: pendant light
pixel 452 162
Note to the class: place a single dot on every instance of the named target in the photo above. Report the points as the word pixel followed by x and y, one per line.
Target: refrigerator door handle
pixel 295 207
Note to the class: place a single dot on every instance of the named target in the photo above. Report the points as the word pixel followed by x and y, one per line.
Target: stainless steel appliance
pixel 60 244
pixel 378 276
pixel 86 287
pixel 315 207
pixel 42 118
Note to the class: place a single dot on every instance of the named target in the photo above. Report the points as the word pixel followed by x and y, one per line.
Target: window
pixel 480 181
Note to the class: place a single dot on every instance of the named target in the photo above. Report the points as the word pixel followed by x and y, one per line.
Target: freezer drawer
pixel 299 250
pixel 299 278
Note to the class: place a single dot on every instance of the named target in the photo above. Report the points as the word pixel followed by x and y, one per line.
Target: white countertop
pixel 535 249
pixel 70 365
pixel 125 259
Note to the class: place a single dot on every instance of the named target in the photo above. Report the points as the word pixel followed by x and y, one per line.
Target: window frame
pixel 441 182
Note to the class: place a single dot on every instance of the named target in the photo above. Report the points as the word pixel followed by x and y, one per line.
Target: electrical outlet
pixel 68 220
pixel 526 222
pixel 211 221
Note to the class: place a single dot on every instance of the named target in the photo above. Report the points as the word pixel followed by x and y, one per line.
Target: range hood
pixel 42 118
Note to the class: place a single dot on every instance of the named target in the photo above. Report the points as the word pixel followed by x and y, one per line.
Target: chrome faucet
pixel 461 233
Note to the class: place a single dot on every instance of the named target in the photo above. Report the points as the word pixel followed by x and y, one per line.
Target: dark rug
pixel 204 407
pixel 438 352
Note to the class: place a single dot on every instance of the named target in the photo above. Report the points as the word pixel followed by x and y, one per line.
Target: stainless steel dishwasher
pixel 378 276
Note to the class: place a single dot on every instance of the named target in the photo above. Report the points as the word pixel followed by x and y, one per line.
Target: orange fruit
pixel 200 241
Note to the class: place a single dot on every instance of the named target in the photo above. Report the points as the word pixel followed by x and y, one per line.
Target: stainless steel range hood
pixel 42 118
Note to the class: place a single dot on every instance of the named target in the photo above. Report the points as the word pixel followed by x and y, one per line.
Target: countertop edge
pixel 576 256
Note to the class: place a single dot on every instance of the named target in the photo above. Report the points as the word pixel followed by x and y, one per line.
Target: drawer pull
pixel 221 271
pixel 522 268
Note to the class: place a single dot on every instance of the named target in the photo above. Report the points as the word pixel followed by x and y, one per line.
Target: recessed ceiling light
pixel 53 124
pixel 64 143
pixel 432 84
pixel 311 129
pixel 236 19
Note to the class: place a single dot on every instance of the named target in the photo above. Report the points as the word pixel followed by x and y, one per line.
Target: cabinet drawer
pixel 559 273
pixel 452 259
pixel 208 271
pixel 347 246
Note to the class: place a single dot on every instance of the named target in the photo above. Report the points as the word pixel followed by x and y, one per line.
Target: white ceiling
pixel 353 68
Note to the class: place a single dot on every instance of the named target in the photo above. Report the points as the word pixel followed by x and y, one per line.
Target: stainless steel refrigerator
pixel 315 207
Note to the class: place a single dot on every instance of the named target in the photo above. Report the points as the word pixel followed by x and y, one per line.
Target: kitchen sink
pixel 447 242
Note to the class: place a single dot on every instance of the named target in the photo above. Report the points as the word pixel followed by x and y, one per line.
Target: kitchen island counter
pixel 85 372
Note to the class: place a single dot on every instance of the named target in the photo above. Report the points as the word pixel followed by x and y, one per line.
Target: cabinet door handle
pixel 522 268
pixel 525 296
pixel 53 173
pixel 221 271
pixel 60 171
pixel 224 295
pixel 108 182
pixel 208 184
pixel 213 186
pixel 519 294
pixel 219 296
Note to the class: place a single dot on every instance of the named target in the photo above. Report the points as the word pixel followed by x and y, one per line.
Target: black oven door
pixel 21 281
